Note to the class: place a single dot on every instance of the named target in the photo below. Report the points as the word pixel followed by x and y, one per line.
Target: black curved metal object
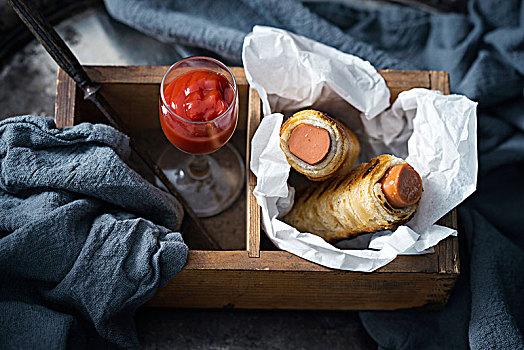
pixel 65 58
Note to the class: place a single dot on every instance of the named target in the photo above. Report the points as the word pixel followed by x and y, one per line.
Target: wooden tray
pixel 249 272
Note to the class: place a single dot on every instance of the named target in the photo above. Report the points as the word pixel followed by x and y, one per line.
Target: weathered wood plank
pixel 303 290
pixel 439 81
pixel 402 80
pixel 253 210
pixel 142 74
pixel 449 261
pixel 405 78
pixel 65 100
pixel 278 260
pixel 447 250
pixel 154 75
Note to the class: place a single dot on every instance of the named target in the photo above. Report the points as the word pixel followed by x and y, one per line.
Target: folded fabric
pixel 483 53
pixel 84 239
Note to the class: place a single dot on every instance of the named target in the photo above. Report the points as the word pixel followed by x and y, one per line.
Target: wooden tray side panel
pixel 142 74
pixel 233 279
pixel 253 210
pixel 335 290
pixel 448 249
pixel 276 260
pixel 65 100
pixel 402 80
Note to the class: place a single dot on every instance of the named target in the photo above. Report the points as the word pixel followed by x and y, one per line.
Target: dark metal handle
pixel 66 59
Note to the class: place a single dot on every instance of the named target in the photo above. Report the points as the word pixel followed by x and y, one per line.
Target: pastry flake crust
pixel 347 206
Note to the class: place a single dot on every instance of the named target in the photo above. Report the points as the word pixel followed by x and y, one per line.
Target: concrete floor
pixel 28 82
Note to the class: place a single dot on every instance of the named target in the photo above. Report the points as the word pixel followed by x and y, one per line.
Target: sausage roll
pixel 380 194
pixel 318 146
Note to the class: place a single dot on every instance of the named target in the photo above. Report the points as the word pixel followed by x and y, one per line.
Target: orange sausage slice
pixel 309 143
pixel 402 186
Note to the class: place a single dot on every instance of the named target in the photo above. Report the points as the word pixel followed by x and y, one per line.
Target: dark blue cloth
pixel 484 53
pixel 78 254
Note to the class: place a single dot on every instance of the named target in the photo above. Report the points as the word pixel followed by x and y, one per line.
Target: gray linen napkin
pixel 84 239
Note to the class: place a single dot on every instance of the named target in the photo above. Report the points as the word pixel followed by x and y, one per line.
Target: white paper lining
pixel 436 134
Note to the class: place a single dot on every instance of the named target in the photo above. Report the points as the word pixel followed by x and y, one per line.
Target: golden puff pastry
pixel 346 206
pixel 318 146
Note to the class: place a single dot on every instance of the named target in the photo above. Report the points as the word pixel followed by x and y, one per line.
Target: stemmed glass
pixel 198 114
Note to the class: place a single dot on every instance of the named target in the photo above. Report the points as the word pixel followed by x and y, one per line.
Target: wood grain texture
pixel 402 80
pixel 447 250
pixel 405 79
pixel 336 290
pixel 439 81
pixel 65 100
pixel 283 261
pixel 253 210
pixel 141 74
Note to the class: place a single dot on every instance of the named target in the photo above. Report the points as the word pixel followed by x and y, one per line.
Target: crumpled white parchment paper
pixel 436 134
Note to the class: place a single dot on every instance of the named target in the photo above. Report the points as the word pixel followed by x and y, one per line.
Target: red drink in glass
pixel 198 112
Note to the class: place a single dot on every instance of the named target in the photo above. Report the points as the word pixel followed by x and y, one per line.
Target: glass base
pixel 210 189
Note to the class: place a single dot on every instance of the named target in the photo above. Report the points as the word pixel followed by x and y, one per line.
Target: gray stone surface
pixel 28 78
pixel 27 86
pixel 251 329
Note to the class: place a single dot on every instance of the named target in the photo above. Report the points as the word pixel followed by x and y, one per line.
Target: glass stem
pixel 199 167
